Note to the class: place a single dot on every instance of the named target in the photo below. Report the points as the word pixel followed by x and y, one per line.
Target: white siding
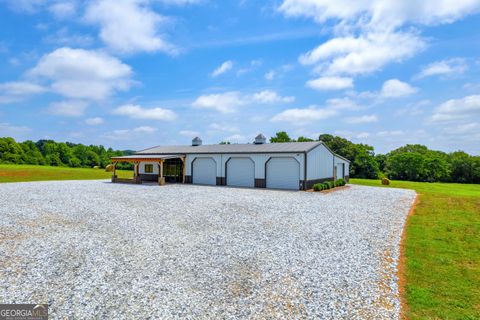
pixel 141 169
pixel 319 163
pixel 259 160
pixel 339 161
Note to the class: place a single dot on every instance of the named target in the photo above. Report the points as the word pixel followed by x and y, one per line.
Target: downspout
pixel 333 168
pixel 305 171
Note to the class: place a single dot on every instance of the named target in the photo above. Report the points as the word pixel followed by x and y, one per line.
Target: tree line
pixel 410 162
pixel 51 153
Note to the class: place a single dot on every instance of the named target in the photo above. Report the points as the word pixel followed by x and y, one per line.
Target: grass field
pixel 442 250
pixel 19 173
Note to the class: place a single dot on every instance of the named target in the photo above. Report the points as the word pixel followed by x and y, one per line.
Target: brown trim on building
pixel 135 180
pixel 221 181
pixel 260 183
pixel 148 177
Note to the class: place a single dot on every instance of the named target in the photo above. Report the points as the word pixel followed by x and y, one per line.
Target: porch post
pixel 183 169
pixel 161 179
pixel 114 177
pixel 136 169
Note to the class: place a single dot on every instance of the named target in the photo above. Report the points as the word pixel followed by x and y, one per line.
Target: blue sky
pixel 137 73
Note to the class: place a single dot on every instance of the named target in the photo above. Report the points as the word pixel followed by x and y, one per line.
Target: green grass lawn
pixel 19 173
pixel 442 250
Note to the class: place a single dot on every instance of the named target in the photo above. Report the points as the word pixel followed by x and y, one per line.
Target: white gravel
pixel 93 249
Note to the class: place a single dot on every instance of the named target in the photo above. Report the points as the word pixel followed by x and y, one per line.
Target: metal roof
pixel 146 156
pixel 287 147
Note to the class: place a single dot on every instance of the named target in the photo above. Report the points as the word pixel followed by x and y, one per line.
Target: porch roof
pixel 146 157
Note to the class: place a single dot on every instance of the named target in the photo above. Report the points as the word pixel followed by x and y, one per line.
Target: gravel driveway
pixel 93 249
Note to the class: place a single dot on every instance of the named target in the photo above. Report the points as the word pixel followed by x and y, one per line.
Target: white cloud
pixel 63 9
pixel 27 6
pixel 236 138
pixel 390 133
pixel 84 74
pixel 330 83
pixel 63 37
pixel 129 26
pixel 137 112
pixel 9 130
pixel 443 68
pixel 254 64
pixel 224 67
pixel 464 108
pixel 223 127
pixel 342 104
pixel 222 102
pixel 362 119
pixel 129 134
pixel 189 133
pixel 94 121
pixel 228 102
pixel 363 135
pixel 73 108
pixel 269 96
pixel 18 90
pixel 363 54
pixel 372 34
pixel 180 2
pixel 381 13
pixel 270 75
pixel 299 116
pixel 395 88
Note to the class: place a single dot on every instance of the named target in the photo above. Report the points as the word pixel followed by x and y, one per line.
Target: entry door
pixel 204 171
pixel 283 173
pixel 241 172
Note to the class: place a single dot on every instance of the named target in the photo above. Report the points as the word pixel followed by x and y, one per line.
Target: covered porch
pixel 153 168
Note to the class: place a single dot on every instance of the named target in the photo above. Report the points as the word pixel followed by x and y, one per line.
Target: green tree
pixel 280 137
pixel 10 151
pixel 381 161
pixel 406 166
pixel 463 167
pixel 304 139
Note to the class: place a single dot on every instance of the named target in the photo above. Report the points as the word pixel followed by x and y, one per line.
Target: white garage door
pixel 283 173
pixel 240 172
pixel 204 171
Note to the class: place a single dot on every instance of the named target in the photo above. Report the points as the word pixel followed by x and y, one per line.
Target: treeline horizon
pixel 59 154
pixel 411 162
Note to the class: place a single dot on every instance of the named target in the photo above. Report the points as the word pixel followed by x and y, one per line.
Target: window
pixel 149 168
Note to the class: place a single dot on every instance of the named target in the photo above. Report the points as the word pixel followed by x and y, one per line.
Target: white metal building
pixel 293 165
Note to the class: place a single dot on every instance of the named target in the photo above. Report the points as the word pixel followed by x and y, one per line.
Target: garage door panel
pixel 283 173
pixel 241 172
pixel 204 171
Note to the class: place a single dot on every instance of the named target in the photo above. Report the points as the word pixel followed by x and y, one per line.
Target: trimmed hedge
pixel 318 187
pixel 328 185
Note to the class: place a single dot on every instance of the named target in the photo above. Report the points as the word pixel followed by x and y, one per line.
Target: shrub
pixel 330 184
pixel 340 182
pixel 385 181
pixel 318 187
